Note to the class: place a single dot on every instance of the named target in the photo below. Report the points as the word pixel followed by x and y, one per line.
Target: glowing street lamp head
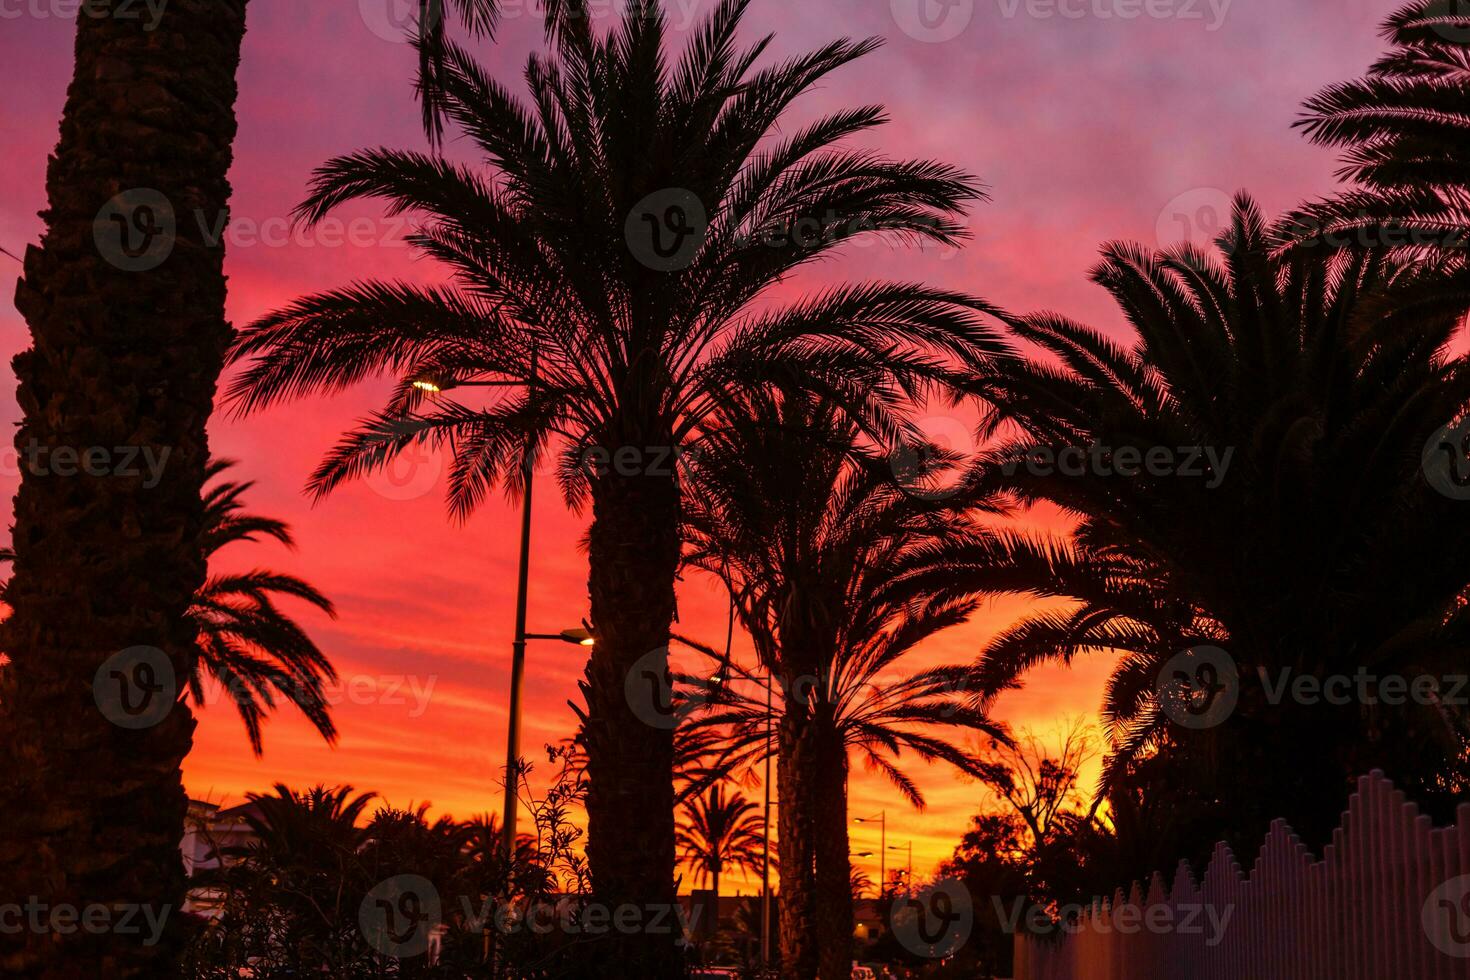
pixel 579 636
pixel 424 384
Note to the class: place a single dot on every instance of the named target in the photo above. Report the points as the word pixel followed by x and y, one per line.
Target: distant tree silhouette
pixel 720 832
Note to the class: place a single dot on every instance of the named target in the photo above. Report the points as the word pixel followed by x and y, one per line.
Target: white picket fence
pixel 1390 900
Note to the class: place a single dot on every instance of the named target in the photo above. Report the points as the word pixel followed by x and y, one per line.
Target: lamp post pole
pixel 882 817
pixel 908 883
pixel 766 843
pixel 518 644
pixel 517 670
pixel 435 386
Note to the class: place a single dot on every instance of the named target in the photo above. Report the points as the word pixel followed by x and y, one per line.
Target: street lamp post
pixel 582 637
pixel 766 842
pixel 882 817
pixel 908 880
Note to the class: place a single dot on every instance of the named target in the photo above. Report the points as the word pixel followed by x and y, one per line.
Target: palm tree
pixel 128 334
pixel 812 535
pixel 1403 128
pixel 616 265
pixel 1314 546
pixel 247 643
pixel 299 882
pixel 720 832
pixel 124 299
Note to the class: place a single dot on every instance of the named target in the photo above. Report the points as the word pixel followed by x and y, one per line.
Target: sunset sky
pixel 1085 123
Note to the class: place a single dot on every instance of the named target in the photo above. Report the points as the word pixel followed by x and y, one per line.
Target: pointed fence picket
pixel 1389 900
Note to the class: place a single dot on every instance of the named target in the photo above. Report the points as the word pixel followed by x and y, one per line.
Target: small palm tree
pixel 818 542
pixel 247 643
pixel 615 264
pixel 303 864
pixel 720 833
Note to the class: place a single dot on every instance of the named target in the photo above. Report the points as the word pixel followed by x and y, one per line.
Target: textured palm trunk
pixel 794 762
pixel 834 914
pixel 633 552
pixel 128 336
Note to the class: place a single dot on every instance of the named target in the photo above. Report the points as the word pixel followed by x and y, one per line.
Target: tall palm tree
pixel 247 643
pixel 720 833
pixel 812 533
pixel 126 314
pixel 616 262
pixel 1404 127
pixel 124 298
pixel 1316 547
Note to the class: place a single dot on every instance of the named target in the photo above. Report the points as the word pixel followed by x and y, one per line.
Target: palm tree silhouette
pixel 719 833
pixel 818 544
pixel 122 277
pixel 1404 128
pixel 247 643
pixel 305 856
pixel 564 283
pixel 1318 547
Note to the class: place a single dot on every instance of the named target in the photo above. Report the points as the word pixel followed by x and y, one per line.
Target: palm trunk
pixel 128 337
pixel 794 762
pixel 633 556
pixel 834 914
